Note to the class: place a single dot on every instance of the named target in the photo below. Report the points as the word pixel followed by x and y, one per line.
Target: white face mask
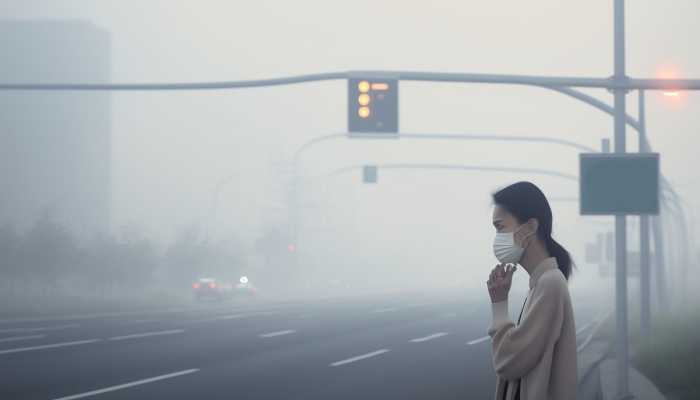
pixel 505 249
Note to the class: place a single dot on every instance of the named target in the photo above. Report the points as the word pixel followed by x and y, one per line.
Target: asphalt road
pixel 387 347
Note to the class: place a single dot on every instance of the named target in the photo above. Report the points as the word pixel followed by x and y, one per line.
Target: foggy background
pixel 170 150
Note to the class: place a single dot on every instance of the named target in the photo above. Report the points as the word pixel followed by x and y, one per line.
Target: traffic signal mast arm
pixel 528 80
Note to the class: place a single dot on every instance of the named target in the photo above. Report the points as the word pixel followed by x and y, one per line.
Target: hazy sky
pixel 171 149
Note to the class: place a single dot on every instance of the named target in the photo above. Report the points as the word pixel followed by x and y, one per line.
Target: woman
pixel 535 358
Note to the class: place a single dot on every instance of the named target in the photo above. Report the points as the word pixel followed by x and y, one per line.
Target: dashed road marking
pixel 220 318
pixel 358 358
pixel 429 337
pixel 583 328
pixel 147 334
pixel 141 321
pixel 279 333
pixel 48 346
pixel 128 385
pixel 232 316
pixel 388 309
pixel 479 340
pixel 39 329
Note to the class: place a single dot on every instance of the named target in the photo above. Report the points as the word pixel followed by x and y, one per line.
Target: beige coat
pixel 541 350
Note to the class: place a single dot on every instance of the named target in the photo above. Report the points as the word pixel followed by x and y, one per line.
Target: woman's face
pixel 503 221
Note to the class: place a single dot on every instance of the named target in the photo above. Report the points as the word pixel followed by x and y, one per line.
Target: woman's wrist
pixel 499 299
pixel 499 312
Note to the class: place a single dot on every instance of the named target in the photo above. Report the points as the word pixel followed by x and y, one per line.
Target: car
pixel 209 288
pixel 245 288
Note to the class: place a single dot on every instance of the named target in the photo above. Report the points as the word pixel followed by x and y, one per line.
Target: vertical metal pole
pixel 659 267
pixel 295 211
pixel 620 220
pixel 644 270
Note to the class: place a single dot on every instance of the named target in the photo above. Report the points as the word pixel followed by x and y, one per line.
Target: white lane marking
pixel 147 334
pixel 479 340
pixel 214 319
pixel 598 323
pixel 358 358
pixel 131 313
pixel 583 328
pixel 429 337
pixel 191 309
pixel 140 321
pixel 265 305
pixel 39 329
pixel 383 310
pixel 128 384
pixel 18 338
pixel 233 316
pixel 88 316
pixel 49 346
pixel 279 333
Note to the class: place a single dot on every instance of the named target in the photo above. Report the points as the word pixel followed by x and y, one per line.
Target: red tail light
pixel 212 285
pixel 195 286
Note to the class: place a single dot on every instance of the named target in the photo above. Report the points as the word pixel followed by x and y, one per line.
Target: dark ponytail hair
pixel 524 200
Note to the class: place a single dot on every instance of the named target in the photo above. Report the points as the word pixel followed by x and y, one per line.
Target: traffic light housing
pixel 373 105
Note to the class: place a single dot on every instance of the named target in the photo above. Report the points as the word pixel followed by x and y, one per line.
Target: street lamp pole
pixel 620 93
pixel 644 260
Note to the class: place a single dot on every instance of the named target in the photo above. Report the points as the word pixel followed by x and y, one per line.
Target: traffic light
pixel 373 105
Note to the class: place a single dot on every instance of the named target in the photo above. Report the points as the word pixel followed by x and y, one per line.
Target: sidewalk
pixel 597 372
pixel 640 387
pixel 588 373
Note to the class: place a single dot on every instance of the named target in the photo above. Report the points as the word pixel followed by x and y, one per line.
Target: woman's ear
pixel 528 233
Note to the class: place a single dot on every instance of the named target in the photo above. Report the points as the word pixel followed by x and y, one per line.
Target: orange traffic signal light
pixel 373 105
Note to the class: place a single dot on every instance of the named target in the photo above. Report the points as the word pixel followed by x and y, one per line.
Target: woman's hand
pixel 499 282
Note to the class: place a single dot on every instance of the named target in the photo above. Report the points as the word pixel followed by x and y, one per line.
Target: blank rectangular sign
pixel 369 174
pixel 619 184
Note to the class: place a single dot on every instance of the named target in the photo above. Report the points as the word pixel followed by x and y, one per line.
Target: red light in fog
pixel 212 285
pixel 195 286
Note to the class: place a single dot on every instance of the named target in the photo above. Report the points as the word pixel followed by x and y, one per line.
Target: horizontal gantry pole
pixel 527 80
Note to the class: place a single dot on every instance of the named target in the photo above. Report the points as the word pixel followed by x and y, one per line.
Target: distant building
pixel 55 146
